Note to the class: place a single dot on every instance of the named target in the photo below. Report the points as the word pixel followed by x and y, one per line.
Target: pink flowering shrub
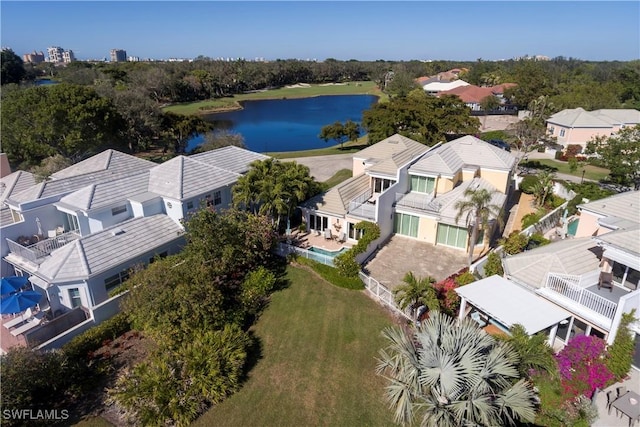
pixel 582 366
pixel 449 299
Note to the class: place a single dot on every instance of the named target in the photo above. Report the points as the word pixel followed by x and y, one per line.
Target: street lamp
pixel 582 180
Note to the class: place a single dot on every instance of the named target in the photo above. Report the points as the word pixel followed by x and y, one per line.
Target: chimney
pixel 5 169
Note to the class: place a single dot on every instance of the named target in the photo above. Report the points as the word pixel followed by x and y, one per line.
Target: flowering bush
pixel 449 299
pixel 582 366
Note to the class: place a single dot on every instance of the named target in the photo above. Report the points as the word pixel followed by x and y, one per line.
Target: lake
pixel 288 124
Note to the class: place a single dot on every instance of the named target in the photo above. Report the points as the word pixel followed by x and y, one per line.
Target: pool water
pixel 326 252
pixel 572 227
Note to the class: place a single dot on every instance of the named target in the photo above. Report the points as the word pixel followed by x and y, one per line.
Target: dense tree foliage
pixel 11 66
pixel 339 132
pixel 70 120
pixel 451 373
pixel 620 153
pixel 421 117
pixel 416 291
pixel 622 349
pixel 219 138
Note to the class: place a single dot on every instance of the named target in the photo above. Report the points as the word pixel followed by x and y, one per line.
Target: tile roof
pixel 626 240
pixel 336 200
pixel 448 158
pixel 470 93
pixel 625 206
pixel 105 193
pixel 109 248
pixel 570 256
pixel 619 116
pixel 15 183
pixel 231 158
pixel 439 86
pixel 183 177
pixel 605 118
pixel 112 161
pixel 389 147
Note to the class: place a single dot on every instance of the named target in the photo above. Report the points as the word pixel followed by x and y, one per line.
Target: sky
pixel 361 30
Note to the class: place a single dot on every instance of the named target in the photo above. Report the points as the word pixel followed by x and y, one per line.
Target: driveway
pixel 401 255
pixel 324 167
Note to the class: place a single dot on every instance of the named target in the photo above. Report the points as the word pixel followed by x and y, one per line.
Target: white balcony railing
pixel 38 251
pixel 568 286
pixel 419 201
pixel 359 206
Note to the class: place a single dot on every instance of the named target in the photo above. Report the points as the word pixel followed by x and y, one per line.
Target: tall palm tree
pixel 415 292
pixel 479 211
pixel 544 187
pixel 451 373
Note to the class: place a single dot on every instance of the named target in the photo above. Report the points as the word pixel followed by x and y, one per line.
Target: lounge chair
pixel 18 319
pixel 327 234
pixel 605 281
pixel 36 320
pixel 343 237
pixel 475 316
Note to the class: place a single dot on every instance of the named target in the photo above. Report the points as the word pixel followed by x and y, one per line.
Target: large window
pixel 74 297
pixel 72 222
pixel 626 276
pixel 561 132
pixel 354 233
pixel 118 210
pixel 217 198
pixel 422 184
pixel 113 281
pixel 407 225
pixel 380 184
pixel 317 222
pixel 452 236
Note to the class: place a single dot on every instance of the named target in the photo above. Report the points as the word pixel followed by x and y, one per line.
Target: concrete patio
pixel 611 420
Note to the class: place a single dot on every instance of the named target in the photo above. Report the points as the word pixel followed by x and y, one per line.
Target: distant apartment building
pixel 33 57
pixel 58 55
pixel 118 55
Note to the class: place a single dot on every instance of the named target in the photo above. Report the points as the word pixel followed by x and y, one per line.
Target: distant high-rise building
pixel 118 55
pixel 68 56
pixel 33 57
pixel 55 54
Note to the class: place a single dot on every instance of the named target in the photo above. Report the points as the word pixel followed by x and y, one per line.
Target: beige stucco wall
pixel 427 230
pixel 444 185
pixel 588 226
pixel 498 179
pixel 468 175
pixel 358 167
pixel 578 136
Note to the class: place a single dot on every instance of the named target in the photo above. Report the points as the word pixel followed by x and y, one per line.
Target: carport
pixel 504 304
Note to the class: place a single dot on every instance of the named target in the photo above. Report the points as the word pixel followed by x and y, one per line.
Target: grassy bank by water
pixel 317 367
pixel 296 91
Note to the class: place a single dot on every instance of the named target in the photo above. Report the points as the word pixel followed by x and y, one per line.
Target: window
pixel 16 216
pixel 72 222
pixel 422 184
pixel 317 222
pixel 406 225
pixel 217 198
pixel 208 201
pixel 626 276
pixel 380 184
pixel 551 130
pixel 113 281
pixel 118 210
pixel 561 132
pixel 452 236
pixel 354 233
pixel 74 297
pixel 189 205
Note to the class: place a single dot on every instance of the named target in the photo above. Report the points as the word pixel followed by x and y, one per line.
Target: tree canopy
pixel 349 131
pixel 70 120
pixel 12 67
pixel 421 117
pixel 620 153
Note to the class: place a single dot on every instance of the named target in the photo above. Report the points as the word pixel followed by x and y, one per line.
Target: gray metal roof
pixel 624 240
pixel 109 248
pixel 184 177
pixel 112 161
pixel 625 206
pixel 570 256
pixel 510 304
pixel 107 193
pixel 467 151
pixel 231 158
pixel 15 183
pixel 385 149
pixel 605 118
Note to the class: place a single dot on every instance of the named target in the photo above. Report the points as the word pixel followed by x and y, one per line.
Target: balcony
pixel 363 206
pixel 37 252
pixel 419 201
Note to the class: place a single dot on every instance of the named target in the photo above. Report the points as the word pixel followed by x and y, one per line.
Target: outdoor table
pixel 628 404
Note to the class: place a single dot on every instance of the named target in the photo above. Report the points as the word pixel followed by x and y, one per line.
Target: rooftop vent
pixel 117 232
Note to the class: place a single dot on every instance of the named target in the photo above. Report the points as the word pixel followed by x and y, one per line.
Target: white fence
pixel 283 250
pixel 569 287
pixel 382 294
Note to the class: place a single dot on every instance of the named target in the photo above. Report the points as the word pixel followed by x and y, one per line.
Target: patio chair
pixel 18 319
pixel 620 391
pixel 28 326
pixel 605 281
pixel 327 234
pixel 475 316
pixel 343 237
pixel 610 399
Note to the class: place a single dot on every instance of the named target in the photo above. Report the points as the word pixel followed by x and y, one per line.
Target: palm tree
pixel 533 351
pixel 543 187
pixel 415 292
pixel 478 210
pixel 451 373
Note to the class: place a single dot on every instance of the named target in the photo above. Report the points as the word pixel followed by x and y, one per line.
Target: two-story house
pixel 411 190
pixel 77 234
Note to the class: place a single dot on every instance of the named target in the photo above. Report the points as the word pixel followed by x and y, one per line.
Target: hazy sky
pixel 363 30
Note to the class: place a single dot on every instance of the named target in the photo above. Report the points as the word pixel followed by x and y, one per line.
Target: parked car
pixel 500 144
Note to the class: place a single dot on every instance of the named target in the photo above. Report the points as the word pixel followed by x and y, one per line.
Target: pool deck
pixel 309 239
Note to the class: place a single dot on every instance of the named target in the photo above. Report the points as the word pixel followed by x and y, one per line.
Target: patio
pixel 8 340
pixel 311 238
pixel 611 420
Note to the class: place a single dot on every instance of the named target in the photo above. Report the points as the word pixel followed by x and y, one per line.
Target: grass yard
pixel 340 176
pixel 317 368
pixel 591 172
pixel 233 103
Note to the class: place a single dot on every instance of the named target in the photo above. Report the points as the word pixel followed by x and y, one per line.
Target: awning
pixel 510 304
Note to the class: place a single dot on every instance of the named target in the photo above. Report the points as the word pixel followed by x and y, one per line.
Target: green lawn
pixel 211 105
pixel 591 172
pixel 319 345
pixel 340 176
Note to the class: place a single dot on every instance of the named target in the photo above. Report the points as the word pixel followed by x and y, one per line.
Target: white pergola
pixel 509 304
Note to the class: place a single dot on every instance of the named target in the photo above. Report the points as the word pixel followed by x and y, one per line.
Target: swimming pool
pixel 572 227
pixel 326 252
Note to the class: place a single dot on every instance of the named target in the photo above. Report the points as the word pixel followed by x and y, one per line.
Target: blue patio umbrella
pixel 19 302
pixel 12 284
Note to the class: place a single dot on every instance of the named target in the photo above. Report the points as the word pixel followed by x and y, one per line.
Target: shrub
pixel 465 278
pixel 528 184
pixel 447 296
pixel 530 219
pixel 621 351
pixel 493 265
pixel 91 340
pixel 346 262
pixel 573 150
pixel 582 366
pixel 332 275
pixel 515 243
pixel 537 239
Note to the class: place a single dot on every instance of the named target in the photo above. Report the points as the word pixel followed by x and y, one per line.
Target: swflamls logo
pixel 35 414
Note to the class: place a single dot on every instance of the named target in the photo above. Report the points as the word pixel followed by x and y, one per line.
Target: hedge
pixel 92 339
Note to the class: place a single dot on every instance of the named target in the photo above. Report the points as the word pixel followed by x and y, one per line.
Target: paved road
pixel 324 167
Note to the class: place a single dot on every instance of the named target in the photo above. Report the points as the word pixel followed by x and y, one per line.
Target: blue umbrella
pixel 12 284
pixel 19 302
